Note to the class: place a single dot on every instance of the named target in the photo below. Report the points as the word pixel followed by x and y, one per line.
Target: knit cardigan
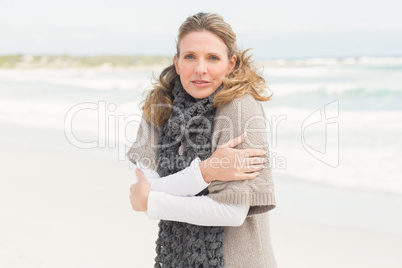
pixel 248 245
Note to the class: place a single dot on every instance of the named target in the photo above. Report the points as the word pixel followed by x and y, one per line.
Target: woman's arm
pixel 200 210
pixel 220 166
pixel 245 114
pixel 229 164
pixel 187 182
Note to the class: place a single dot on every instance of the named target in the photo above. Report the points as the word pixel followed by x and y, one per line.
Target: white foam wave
pixel 339 89
pixel 86 78
pixel 347 61
pixel 369 148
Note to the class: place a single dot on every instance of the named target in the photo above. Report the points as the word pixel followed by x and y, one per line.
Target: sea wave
pixel 345 61
pixel 94 79
pixel 350 98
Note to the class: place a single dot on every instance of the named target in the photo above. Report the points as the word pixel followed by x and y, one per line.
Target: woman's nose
pixel 201 67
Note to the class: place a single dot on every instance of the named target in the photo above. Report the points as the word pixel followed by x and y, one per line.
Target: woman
pixel 211 199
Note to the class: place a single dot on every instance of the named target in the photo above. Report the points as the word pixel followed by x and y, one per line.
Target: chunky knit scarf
pixel 187 134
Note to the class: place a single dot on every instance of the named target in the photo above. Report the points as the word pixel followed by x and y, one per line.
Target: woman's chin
pixel 200 93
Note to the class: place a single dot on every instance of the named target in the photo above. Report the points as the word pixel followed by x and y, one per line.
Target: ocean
pixel 359 146
pixel 332 124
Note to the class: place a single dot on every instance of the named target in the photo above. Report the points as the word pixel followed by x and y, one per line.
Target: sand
pixel 66 210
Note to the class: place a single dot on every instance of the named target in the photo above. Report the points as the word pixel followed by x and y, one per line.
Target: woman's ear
pixel 232 63
pixel 176 64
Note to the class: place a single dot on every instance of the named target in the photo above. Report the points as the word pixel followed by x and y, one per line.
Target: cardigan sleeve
pixel 244 114
pixel 144 147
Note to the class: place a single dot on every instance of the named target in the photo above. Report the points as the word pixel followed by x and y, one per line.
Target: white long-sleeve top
pixel 173 198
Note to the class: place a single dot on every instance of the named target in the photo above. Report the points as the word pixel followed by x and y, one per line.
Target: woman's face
pixel 202 63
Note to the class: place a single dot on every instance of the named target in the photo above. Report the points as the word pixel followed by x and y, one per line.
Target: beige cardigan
pixel 250 244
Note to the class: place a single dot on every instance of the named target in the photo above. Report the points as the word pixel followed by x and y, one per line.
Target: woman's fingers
pixel 250 176
pixel 139 192
pixel 255 160
pixel 139 174
pixel 246 176
pixel 249 162
pixel 234 142
pixel 253 152
pixel 250 168
pixel 229 164
pixel 253 168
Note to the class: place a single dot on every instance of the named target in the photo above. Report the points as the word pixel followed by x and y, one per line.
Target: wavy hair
pixel 244 79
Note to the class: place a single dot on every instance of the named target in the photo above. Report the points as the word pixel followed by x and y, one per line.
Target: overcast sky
pixel 275 29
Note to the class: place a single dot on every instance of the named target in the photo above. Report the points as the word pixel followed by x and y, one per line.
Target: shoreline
pixel 151 62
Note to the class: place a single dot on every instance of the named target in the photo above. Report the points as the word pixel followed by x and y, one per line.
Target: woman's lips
pixel 200 83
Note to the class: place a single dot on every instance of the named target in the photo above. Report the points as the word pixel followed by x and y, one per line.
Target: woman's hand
pixel 228 164
pixel 139 192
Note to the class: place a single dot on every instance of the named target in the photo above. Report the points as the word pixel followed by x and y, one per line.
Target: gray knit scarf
pixel 180 244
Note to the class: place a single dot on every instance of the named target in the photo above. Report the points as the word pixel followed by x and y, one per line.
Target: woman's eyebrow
pixel 208 54
pixel 214 53
pixel 189 51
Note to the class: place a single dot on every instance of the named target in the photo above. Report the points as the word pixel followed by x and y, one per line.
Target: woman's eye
pixel 189 57
pixel 214 58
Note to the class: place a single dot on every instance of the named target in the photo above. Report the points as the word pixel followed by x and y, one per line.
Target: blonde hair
pixel 244 79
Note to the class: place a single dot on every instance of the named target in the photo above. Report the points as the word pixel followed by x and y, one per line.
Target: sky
pixel 273 29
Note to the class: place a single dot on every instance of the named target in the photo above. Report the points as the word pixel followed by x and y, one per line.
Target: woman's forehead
pixel 203 41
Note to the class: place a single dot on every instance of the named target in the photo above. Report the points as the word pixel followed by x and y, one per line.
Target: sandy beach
pixel 64 210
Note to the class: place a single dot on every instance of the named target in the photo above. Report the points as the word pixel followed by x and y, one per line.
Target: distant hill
pixel 68 61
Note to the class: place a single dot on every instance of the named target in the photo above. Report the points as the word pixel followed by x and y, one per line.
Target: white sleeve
pixel 187 182
pixel 199 210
